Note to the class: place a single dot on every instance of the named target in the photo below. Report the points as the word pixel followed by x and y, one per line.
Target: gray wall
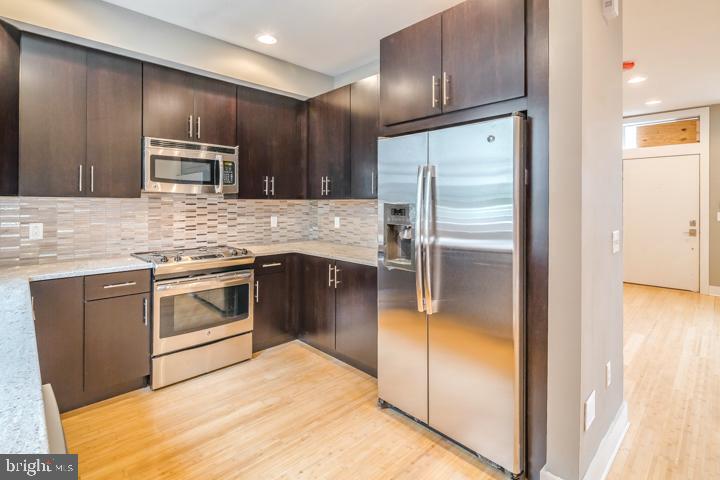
pixel 585 277
pixel 108 27
pixel 714 195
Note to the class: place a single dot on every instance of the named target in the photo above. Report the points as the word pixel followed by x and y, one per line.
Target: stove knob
pixel 163 259
pixel 178 258
pixel 234 252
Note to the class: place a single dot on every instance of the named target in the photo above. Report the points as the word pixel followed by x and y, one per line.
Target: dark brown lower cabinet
pixel 272 323
pixel 92 350
pixel 339 310
pixel 58 306
pixel 356 315
pixel 317 303
pixel 117 343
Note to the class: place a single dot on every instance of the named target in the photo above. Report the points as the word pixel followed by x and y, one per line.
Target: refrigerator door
pixel 475 352
pixel 402 325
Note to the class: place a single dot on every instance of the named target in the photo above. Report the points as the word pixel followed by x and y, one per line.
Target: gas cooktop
pixel 200 258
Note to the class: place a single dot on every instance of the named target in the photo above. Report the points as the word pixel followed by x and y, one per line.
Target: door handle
pixel 327 185
pixel 336 275
pixel 145 311
pixel 92 178
pixel 427 211
pixel 372 182
pixel 265 182
pixel 322 186
pixel 80 179
pixel 198 127
pixel 257 291
pixel 419 293
pixel 190 126
pixel 118 285
pixel 268 265
pixel 272 185
pixel 433 86
pixel 446 88
pixel 330 272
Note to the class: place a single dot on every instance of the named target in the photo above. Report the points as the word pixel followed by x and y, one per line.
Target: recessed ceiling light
pixel 653 102
pixel 637 79
pixel 266 38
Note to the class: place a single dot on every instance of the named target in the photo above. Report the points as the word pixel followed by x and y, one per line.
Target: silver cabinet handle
pixel 433 84
pixel 272 185
pixel 119 285
pixel 190 126
pixel 330 272
pixel 372 182
pixel 427 212
pixel 322 186
pixel 265 183
pixel 145 311
pixel 198 127
pixel 336 275
pixel 92 178
pixel 419 293
pixel 257 291
pixel 327 186
pixel 446 88
pixel 80 179
pixel 268 265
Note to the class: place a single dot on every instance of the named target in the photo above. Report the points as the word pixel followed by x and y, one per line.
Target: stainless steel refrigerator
pixel 451 284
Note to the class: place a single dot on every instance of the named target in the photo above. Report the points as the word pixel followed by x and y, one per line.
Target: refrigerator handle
pixel 429 202
pixel 419 292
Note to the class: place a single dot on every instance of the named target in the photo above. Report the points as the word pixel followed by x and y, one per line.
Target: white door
pixel 661 221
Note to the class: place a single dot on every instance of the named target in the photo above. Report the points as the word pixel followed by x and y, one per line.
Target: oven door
pixel 198 310
pixel 173 173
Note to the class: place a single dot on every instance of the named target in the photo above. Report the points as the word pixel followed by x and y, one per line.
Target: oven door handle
pixel 220 279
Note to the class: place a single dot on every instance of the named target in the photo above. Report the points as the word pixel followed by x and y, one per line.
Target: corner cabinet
pixel 271 132
pixel 93 342
pixel 470 55
pixel 80 115
pixel 181 106
pixel 339 310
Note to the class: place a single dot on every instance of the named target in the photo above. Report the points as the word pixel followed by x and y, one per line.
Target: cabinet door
pixel 329 142
pixel 363 137
pixel 409 62
pixel 58 307
pixel 356 315
pixel 52 118
pixel 114 126
pixel 317 317
pixel 272 144
pixel 168 103
pixel 271 318
pixel 215 112
pixel 117 342
pixel 483 44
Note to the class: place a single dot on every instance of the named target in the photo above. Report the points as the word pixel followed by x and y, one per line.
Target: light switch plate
pixel 608 375
pixel 337 222
pixel 718 216
pixel 36 231
pixel 589 410
pixel 273 221
pixel 615 241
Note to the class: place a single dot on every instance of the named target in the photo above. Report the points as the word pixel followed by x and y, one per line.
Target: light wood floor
pixel 672 386
pixel 290 413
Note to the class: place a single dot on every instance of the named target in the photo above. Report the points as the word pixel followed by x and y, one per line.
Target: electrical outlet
pixel 337 222
pixel 608 374
pixel 718 216
pixel 36 231
pixel 273 221
pixel 589 410
pixel 615 241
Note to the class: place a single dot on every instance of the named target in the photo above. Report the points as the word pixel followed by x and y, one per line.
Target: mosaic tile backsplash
pixel 77 228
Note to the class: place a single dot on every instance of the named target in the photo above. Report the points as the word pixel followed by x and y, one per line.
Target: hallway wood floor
pixel 672 386
pixel 290 413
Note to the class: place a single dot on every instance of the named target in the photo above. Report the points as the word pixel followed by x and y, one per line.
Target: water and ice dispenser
pixel 399 236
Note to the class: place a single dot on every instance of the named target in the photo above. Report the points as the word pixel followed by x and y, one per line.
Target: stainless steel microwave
pixel 188 167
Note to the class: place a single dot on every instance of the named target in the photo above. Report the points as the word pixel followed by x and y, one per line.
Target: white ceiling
pixel 676 43
pixel 329 36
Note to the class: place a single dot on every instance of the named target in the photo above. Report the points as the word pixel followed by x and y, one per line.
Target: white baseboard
pixel 714 291
pixel 609 446
pixel 606 452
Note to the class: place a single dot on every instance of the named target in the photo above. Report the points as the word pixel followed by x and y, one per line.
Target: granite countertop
pixel 347 253
pixel 22 413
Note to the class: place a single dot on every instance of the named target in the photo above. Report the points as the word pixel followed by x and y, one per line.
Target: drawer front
pixel 270 264
pixel 116 284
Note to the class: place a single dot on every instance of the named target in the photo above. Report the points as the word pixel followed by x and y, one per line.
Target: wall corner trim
pixel 609 446
pixel 545 474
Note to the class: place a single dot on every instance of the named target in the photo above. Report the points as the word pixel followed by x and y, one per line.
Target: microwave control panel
pixel 228 173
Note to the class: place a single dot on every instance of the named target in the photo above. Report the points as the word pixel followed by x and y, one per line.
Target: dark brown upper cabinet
pixel 181 106
pixel 470 55
pixel 364 126
pixel 329 144
pixel 80 115
pixel 114 126
pixel 272 139
pixel 483 60
pixel 53 118
pixel 410 72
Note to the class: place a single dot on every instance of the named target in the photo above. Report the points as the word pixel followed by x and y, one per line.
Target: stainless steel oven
pixel 192 311
pixel 189 167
